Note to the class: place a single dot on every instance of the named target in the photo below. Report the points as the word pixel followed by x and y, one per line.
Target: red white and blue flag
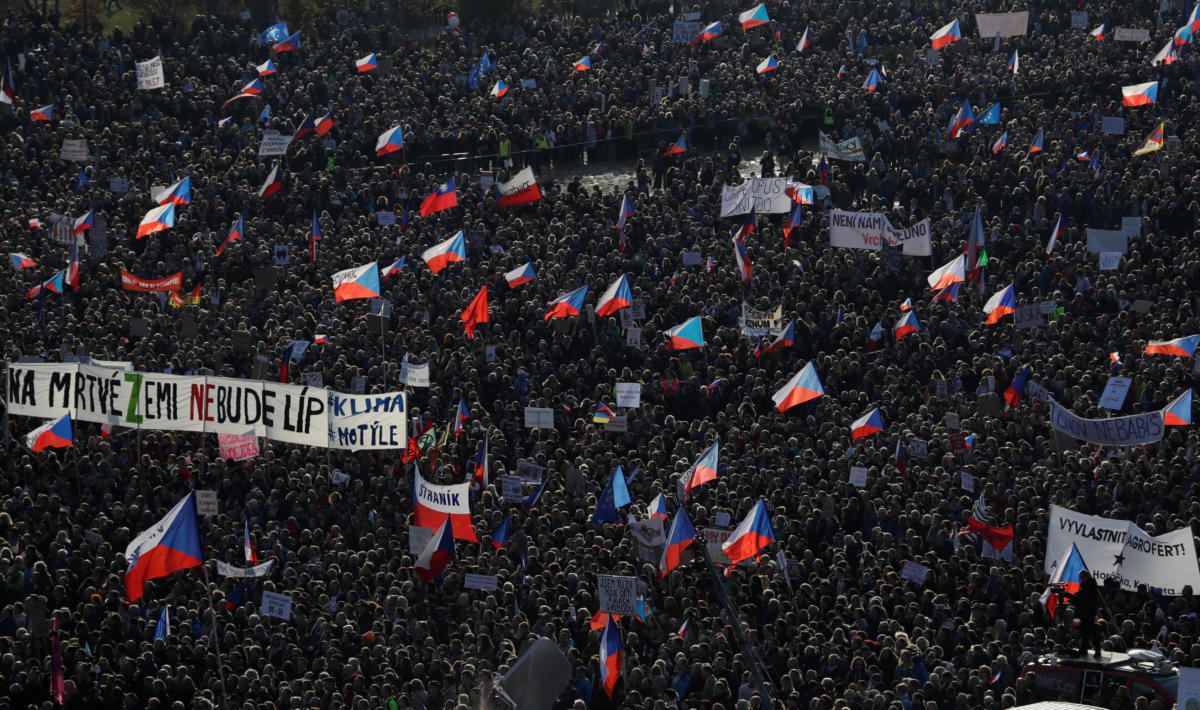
pixel 795 220
pixel 950 293
pixel 1139 94
pixel 20 261
pixel 785 339
pixel 953 271
pixel 54 284
pixel 267 68
pixel 618 296
pixel 500 534
pixel 180 193
pixel 440 199
pixel 389 141
pixel 248 550
pixel 480 466
pixel 1066 573
pixel 157 219
pixel 944 36
pixel 584 64
pixel 805 41
pixel 766 65
pixel 235 233
pixel 679 536
pixel 1036 146
pixel 367 63
pixel 436 555
pixel 751 536
pixel 743 261
pixel 273 183
pixel 308 125
pixel 521 189
pixel 907 324
pixel 521 275
pixel 866 425
pixel 872 81
pixel 291 43
pixel 57 433
pixel 963 118
pixel 325 123
pixel 442 254
pixel 395 267
pixel 678 146
pixel 1012 395
pixel 568 304
pixel 461 415
pixel 435 504
pixel 1060 226
pixel 84 222
pixel 625 214
pixel 700 472
pixel 803 386
pixel 686 335
pixel 314 236
pixel 1179 411
pixel 658 507
pixel 41 114
pixel 754 17
pixel 611 656
pixel 170 545
pixel 499 90
pixel 359 282
pixel 1180 347
pixel 999 144
pixel 1002 303
pixel 710 32
pixel 1099 32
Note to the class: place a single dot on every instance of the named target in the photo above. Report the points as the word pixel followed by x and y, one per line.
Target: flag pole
pixel 212 607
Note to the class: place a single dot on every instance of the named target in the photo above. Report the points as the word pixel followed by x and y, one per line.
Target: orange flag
pixel 476 312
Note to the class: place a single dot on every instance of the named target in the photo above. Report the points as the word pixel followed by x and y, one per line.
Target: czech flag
pixel 1194 18
pixel 794 221
pixel 658 507
pixel 1179 411
pixel 841 72
pixel 500 534
pixel 20 261
pixel 626 212
pixel 267 68
pixel 686 335
pixel 35 223
pixel 1014 62
pixel 1181 347
pixel 946 35
pixel 611 656
pixel 389 141
pixel 157 219
pixel 394 268
pixel 679 536
pixel 785 339
pixel 603 414
pixel 480 466
pixel 701 472
pixel 252 88
pixel 991 116
pixel 805 385
pixel 57 434
pixel 901 459
pixel 273 183
pixel 520 275
pixel 248 545
pixel 51 285
pixel 1002 303
pixel 584 64
pixel 743 261
pixel 751 536
pixel 1060 227
pixel 873 80
pixel 325 123
pixel 907 324
pixel 962 119
pixel 618 296
pixel 87 221
pixel 461 415
pixel 754 17
pixel 1066 573
pixel 442 254
pixel 308 125
pixel 1000 143
pixel 953 271
pixel 291 43
pixel 906 306
pixel 711 32
pixel 1098 33
pixel 766 65
pixel 1036 146
pixel 41 114
pixel 866 425
pixel 805 41
pixel 749 224
pixel 678 146
pixel 499 90
pixel 170 545
pixel 367 63
pixel 1139 94
pixel 180 193
pixel 567 305
pixel 950 293
pixel 1169 54
pixel 359 282
pixel 1153 142
pixel 320 339
pixel 235 233
pixel 442 198
pixel 437 553
pixel 1013 393
pixel 7 86
pixel 476 312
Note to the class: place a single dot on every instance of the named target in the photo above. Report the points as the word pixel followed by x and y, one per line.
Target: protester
pixel 830 623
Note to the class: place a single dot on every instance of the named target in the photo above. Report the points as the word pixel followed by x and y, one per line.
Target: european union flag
pixel 484 66
pixel 616 495
pixel 274 33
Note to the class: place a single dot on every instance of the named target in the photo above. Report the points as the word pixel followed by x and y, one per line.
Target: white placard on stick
pixel 539 418
pixel 968 481
pixel 510 488
pixel 273 143
pixel 276 605
pixel 1110 260
pixel 206 502
pixel 150 74
pixel 858 476
pixel 1114 393
pixel 633 337
pixel 629 394
pixel 618 595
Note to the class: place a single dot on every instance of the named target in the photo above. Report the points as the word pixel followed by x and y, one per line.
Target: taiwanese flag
pixel 57 433
pixel 567 305
pixel 794 221
pixel 1179 411
pixel 678 146
pixel 442 198
pixel 1016 388
pixel 1002 303
pixel 235 233
pixel 273 183
pixel 520 275
pixel 686 335
pixel 367 63
pixel 389 141
pixel 754 17
pixel 711 32
pixel 907 324
pixel 437 553
pixel 785 339
pixel 157 219
pixel 291 43
pixel 500 534
pixel 1181 347
pixel 680 535
pixel 944 36
pixel 1066 573
pixel 803 386
pixel 168 546
pixel 41 114
pixel 866 425
pixel 476 312
pixel 751 536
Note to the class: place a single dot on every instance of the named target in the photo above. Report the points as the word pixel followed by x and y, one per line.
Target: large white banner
pixel 295 414
pixel 850 149
pixel 454 499
pixel 871 230
pixel 1118 431
pixel 1005 24
pixel 765 195
pixel 150 74
pixel 756 323
pixel 273 143
pixel 1123 551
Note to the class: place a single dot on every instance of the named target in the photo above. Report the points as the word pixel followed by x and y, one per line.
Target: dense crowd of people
pixel 838 628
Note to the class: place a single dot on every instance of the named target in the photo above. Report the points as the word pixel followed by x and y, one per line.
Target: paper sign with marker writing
pixel 629 394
